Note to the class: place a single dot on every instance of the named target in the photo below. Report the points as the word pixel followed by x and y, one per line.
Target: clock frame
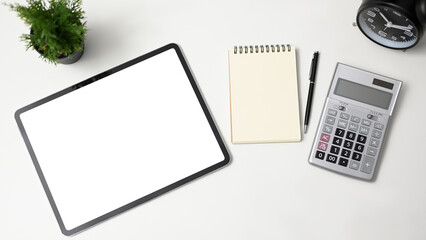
pixel 393 23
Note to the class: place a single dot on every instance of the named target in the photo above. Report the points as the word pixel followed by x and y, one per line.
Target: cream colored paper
pixel 264 96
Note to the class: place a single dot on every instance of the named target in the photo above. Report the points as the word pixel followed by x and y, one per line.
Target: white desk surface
pixel 269 191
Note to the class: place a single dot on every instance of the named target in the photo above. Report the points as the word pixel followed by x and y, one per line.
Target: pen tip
pixel 305 128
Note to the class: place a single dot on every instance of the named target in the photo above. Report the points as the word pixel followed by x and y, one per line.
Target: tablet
pixel 121 138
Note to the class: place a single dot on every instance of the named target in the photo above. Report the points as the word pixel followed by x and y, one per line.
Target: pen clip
pixel 310 70
pixel 313 67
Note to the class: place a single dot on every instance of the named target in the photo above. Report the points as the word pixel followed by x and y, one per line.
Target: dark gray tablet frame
pixel 148 197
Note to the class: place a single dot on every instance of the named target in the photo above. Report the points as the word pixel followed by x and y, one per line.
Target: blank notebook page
pixel 264 96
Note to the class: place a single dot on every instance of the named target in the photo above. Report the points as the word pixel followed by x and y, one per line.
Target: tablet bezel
pixel 150 196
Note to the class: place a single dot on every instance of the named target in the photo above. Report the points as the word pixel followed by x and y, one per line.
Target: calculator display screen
pixel 362 93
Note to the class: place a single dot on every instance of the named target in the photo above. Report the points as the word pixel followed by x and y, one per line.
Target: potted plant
pixel 57 28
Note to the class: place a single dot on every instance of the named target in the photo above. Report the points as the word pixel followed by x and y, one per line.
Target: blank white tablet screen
pixel 121 138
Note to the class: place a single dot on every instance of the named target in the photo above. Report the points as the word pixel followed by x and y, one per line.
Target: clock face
pixel 388 27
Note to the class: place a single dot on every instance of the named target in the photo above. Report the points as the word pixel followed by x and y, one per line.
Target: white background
pixel 269 191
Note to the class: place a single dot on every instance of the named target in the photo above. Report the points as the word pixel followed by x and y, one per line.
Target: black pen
pixel 311 88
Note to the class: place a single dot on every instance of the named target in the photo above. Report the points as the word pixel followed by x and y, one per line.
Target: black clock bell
pixel 396 24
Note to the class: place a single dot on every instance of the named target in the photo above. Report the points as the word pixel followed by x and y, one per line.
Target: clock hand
pixel 408 28
pixel 383 16
pixel 403 27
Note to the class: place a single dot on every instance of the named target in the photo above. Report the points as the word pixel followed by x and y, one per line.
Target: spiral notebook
pixel 264 94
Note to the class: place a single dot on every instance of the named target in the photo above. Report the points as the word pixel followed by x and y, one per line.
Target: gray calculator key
pixel 367 164
pixel 364 130
pixel 344 116
pixel 371 151
pixel 366 122
pixel 353 127
pixel 332 112
pixel 376 134
pixel 374 142
pixel 378 126
pixel 374 118
pixel 329 120
pixel 354 165
pixel 355 119
pixel 327 128
pixel 342 124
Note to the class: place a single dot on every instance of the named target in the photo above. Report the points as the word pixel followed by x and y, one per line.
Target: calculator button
pixel 361 139
pixel 344 116
pixel 364 130
pixel 322 146
pixel 359 147
pixel 334 150
pixel 356 156
pixel 350 135
pixel 342 108
pixel 371 151
pixel 374 143
pixel 342 124
pixel 329 120
pixel 340 132
pixel 343 162
pixel 327 128
pixel 332 112
pixel 367 165
pixel 348 144
pixel 354 165
pixel 353 127
pixel 378 126
pixel 346 153
pixel 320 155
pixel 337 141
pixel 331 158
pixel 376 134
pixel 325 137
pixel 366 122
pixel 355 119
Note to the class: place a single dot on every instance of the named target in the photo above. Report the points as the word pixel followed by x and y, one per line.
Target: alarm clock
pixel 396 24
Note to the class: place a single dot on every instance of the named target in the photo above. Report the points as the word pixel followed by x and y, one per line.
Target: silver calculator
pixel 354 122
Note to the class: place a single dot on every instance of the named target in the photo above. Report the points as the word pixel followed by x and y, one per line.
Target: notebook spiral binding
pixel 262 48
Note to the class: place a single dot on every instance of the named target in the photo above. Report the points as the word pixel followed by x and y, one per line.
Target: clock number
pixel 370 20
pixel 408 33
pixel 371 14
pixel 397 13
pixel 383 34
pixel 376 9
